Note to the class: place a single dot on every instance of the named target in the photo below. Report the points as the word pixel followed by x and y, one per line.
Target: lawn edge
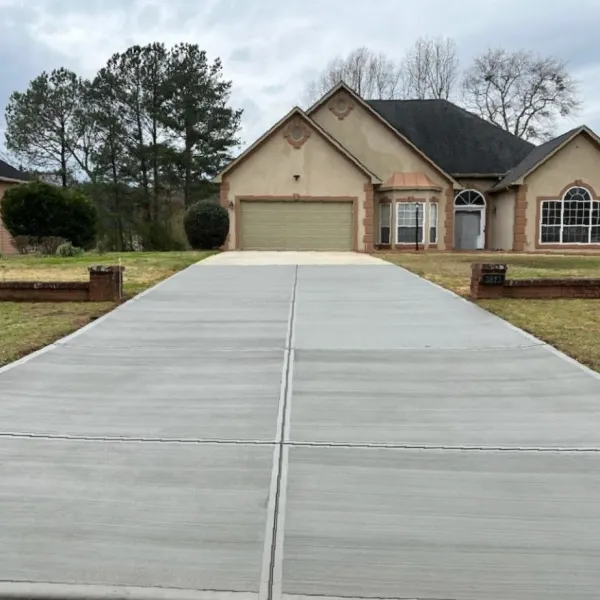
pixel 510 325
pixel 66 338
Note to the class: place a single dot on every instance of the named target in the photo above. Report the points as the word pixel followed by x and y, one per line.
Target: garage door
pixel 296 226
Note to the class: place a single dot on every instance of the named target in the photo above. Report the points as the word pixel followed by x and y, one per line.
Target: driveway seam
pixel 286 444
pixel 51 590
pixel 279 473
pixel 276 566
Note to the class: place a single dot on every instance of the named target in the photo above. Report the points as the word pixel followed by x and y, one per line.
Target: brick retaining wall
pixel 529 288
pixel 105 285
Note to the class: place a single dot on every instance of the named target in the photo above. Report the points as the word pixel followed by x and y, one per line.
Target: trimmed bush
pixel 24 244
pixel 206 225
pixel 67 250
pixel 49 244
pixel 28 244
pixel 40 210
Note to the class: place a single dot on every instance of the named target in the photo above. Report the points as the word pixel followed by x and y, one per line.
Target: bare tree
pixel 371 75
pixel 430 69
pixel 522 92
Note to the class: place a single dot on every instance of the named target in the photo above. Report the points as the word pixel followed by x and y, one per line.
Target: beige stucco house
pixel 355 174
pixel 9 176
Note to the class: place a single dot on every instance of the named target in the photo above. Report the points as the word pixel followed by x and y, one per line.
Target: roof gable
pixel 298 112
pixel 8 173
pixel 459 141
pixel 540 154
pixel 367 105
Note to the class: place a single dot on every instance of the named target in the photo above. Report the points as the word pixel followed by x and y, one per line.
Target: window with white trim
pixel 409 224
pixel 573 220
pixel 469 199
pixel 433 219
pixel 385 223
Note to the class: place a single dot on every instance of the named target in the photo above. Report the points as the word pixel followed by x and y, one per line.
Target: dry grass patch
pixel 28 326
pixel 570 325
pixel 453 271
pixel 142 269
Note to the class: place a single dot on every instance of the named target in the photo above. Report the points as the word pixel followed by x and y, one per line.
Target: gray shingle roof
pixel 11 173
pixel 455 139
pixel 534 157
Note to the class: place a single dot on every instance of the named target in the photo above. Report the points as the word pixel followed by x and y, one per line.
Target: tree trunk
pixel 63 157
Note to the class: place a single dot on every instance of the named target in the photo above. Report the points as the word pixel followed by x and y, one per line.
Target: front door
pixel 467 227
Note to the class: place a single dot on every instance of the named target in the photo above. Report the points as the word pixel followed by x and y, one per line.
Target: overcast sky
pixel 271 48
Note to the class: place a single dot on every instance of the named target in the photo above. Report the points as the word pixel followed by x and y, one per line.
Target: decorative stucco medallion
pixel 296 132
pixel 341 105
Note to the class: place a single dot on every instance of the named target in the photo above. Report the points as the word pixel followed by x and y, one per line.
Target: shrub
pixel 40 210
pixel 67 250
pixel 159 236
pixel 206 225
pixel 49 244
pixel 24 244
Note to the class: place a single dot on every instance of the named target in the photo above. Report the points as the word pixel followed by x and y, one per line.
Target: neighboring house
pixel 355 174
pixel 9 176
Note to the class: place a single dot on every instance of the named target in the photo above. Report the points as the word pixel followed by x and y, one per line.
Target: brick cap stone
pixel 583 282
pixel 106 269
pixel 490 267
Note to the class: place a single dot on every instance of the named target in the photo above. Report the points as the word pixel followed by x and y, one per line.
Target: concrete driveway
pixel 299 430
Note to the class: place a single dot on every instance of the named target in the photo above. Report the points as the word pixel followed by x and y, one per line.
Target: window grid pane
pixel 433 217
pixel 385 219
pixel 595 225
pixel 574 220
pixel 407 226
pixel 469 198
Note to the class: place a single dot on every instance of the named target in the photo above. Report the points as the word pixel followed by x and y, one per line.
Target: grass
pixel 142 269
pixel 28 326
pixel 572 326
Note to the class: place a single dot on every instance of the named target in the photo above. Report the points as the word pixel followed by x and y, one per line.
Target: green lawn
pixel 28 326
pixel 573 326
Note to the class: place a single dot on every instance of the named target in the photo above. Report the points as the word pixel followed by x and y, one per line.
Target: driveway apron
pixel 298 431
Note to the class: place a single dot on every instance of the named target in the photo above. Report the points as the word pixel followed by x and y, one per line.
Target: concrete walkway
pixel 292 431
pixel 254 259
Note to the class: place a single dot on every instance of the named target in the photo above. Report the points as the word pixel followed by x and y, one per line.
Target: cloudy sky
pixel 271 48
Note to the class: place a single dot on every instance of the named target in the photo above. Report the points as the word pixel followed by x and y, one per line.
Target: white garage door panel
pixel 296 225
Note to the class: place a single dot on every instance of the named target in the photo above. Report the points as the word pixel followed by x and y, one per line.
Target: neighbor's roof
pixel 9 173
pixel 539 155
pixel 409 181
pixel 455 139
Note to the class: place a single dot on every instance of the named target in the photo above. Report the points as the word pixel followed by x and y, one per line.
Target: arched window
pixel 469 198
pixel 573 220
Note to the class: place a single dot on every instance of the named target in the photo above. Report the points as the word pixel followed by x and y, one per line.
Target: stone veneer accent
pixel 520 225
pixel 369 207
pixel 449 220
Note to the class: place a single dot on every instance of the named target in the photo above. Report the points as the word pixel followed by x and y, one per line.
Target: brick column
pixel 485 291
pixel 449 220
pixel 520 224
pixel 224 201
pixel 106 283
pixel 368 205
